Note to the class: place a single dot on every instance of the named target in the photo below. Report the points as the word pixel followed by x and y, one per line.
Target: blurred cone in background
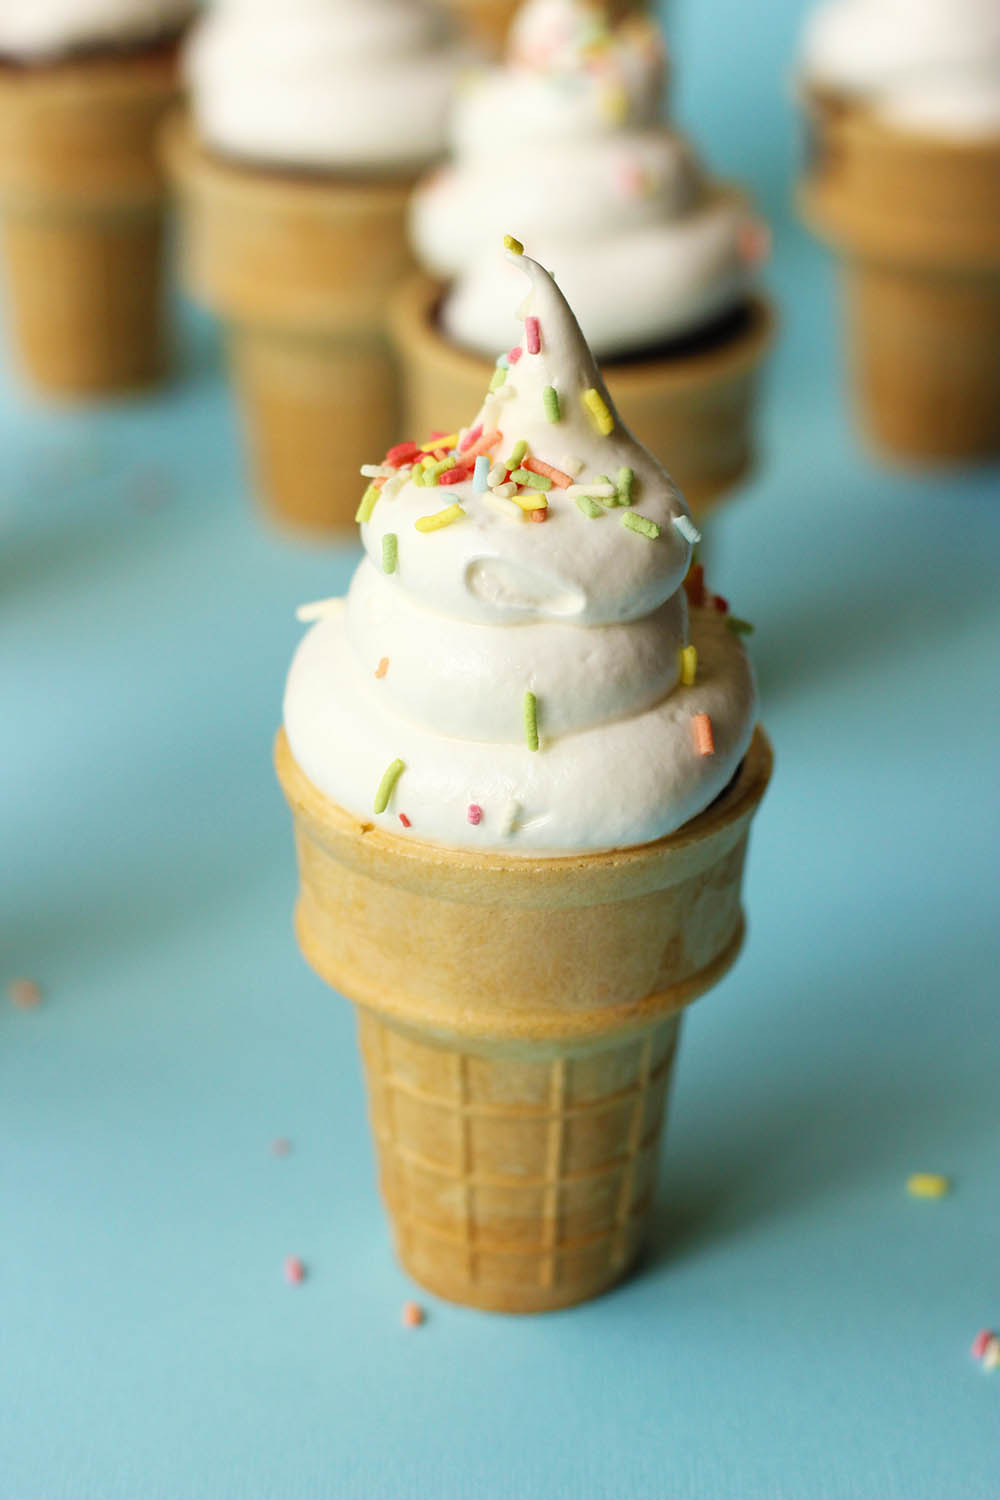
pixel 518 1021
pixel 299 266
pixel 916 222
pixel 82 202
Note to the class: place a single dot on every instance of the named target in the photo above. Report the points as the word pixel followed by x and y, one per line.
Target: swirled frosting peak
pixel 515 666
pixel 564 143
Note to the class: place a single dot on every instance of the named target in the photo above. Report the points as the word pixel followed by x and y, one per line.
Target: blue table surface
pixel 801 1326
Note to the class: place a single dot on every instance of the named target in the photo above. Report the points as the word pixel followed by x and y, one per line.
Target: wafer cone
pixel 693 411
pixel 82 206
pixel 299 268
pixel 916 220
pixel 518 1022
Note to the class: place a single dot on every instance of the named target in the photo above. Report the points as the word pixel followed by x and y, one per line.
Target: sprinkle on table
pixel 26 994
pixel 440 518
pixel 738 626
pixel 280 1146
pixel 550 401
pixel 405 821
pixel 991 1355
pixel 368 499
pixel 624 486
pixel 513 245
pixel 387 785
pixel 928 1185
pixel 413 1314
pixel 481 474
pixel 642 524
pixel 295 1271
pixel 532 335
pixel 687 529
pixel 599 411
pixel 689 666
pixel 704 739
pixel 390 552
pixel 589 507
pixel 981 1342
pixel 382 667
pixel 474 814
pixel 531 720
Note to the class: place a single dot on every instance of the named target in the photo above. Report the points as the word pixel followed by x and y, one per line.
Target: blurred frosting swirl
pixel 41 30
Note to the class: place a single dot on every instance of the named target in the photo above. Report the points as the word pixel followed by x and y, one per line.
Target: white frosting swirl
pixel 564 145
pixel 36 30
pixel 925 64
pixel 430 663
pixel 330 84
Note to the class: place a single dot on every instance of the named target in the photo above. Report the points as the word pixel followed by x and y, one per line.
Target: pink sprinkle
pixel 515 354
pixel 413 1315
pixel 24 993
pixel 437 432
pixel 980 1341
pixel 280 1147
pixel 475 814
pixel 482 445
pixel 533 335
pixel 472 436
pixel 295 1271
pixel 453 476
pixel 405 820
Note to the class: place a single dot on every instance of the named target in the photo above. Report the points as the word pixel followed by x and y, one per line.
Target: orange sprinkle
pixel 382 667
pixel 486 442
pixel 542 514
pixel 413 1315
pixel 539 466
pixel 24 993
pixel 704 739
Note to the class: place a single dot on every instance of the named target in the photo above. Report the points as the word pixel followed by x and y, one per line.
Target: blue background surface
pixel 801 1326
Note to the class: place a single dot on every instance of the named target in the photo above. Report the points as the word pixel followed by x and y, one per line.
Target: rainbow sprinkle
pixel 517 453
pixel 440 518
pixel 571 464
pixel 641 524
pixel 513 355
pixel 499 376
pixel 509 818
pixel 368 499
pixel 538 466
pixel 503 505
pixel 532 335
pixel 738 626
pixel 689 665
pixel 928 1185
pixel 481 445
pixel 481 474
pixel 387 785
pixel 382 667
pixel 624 486
pixel 600 490
pixel 530 501
pixel 439 440
pixel 390 552
pixel 405 821
pixel 687 529
pixel 513 245
pixel 550 400
pixel 474 814
pixel 531 720
pixel 599 411
pixel 442 466
pixel 472 436
pixel 531 479
pixel 704 739
pixel 589 507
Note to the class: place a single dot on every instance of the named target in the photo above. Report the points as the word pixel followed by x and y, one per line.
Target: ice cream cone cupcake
pixel 522 764
pixel 903 181
pixel 657 259
pixel 84 85
pixel 294 190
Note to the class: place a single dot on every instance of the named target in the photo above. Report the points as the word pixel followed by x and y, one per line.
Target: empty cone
pixel 518 1020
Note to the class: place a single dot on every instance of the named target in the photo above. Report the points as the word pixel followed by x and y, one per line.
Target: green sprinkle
pixel 641 524
pixel 368 499
pixel 609 500
pixel 418 477
pixel 550 400
pixel 625 478
pixel 532 480
pixel 530 721
pixel 510 243
pixel 442 466
pixel 499 377
pixel 386 785
pixel 589 507
pixel 738 626
pixel 390 552
pixel 518 451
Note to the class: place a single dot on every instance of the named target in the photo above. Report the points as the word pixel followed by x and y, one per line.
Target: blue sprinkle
pixel 480 473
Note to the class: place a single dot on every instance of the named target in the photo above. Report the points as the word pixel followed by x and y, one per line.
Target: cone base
pixel 693 411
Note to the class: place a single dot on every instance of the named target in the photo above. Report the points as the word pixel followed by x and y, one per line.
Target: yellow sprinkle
pixel 510 243
pixel 450 441
pixel 928 1185
pixel 689 665
pixel 440 518
pixel 597 406
pixel 533 501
